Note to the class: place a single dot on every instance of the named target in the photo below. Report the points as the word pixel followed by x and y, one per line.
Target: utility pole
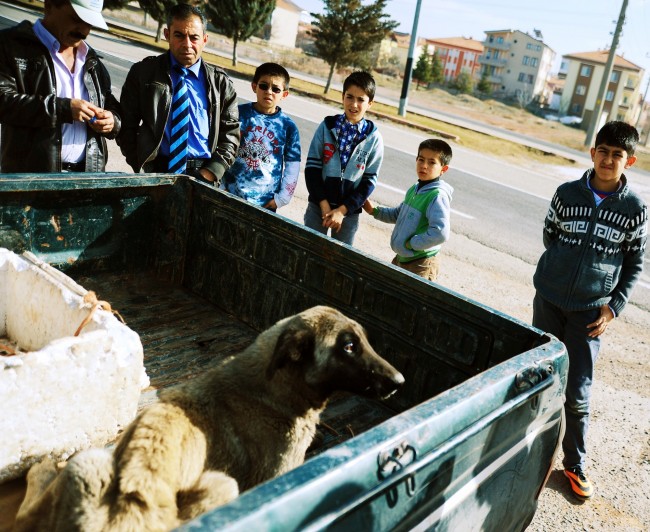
pixel 600 99
pixel 645 95
pixel 409 62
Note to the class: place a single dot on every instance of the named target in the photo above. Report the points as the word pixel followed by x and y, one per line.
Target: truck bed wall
pixel 257 266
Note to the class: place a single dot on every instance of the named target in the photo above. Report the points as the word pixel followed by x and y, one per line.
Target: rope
pixel 91 299
pixel 7 351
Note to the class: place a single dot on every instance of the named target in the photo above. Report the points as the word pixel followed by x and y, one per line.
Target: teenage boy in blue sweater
pixel 595 236
pixel 343 162
pixel 422 220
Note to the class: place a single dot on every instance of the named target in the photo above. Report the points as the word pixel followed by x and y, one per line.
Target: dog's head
pixel 332 353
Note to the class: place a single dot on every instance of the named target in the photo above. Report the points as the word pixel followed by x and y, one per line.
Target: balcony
pixel 492 61
pixel 496 45
pixel 495 79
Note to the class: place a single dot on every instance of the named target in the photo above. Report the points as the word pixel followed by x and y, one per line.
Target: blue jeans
pixel 314 220
pixel 571 328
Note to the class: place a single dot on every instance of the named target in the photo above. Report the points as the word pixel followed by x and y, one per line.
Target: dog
pixel 245 421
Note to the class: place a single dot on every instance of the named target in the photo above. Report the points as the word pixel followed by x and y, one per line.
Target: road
pixel 497 204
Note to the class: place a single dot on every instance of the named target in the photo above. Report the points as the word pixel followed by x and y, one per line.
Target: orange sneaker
pixel 580 484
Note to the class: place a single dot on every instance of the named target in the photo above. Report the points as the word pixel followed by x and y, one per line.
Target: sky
pixel 567 26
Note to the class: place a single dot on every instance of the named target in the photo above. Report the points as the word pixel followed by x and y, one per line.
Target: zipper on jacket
pixel 589 238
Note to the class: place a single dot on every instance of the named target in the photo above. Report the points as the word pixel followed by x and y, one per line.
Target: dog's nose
pixel 389 385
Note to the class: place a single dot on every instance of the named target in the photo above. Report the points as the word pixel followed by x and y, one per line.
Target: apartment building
pixel 583 75
pixel 396 45
pixel 283 27
pixel 457 55
pixel 517 64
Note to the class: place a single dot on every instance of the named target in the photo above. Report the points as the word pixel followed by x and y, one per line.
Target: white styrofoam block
pixel 61 393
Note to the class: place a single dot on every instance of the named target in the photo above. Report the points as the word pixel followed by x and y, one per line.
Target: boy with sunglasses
pixel 266 169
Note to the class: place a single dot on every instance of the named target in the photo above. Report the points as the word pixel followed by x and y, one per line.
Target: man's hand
pixel 96 118
pixel 598 327
pixel 103 122
pixel 208 176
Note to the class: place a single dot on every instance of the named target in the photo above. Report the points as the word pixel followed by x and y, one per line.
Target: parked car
pixel 571 120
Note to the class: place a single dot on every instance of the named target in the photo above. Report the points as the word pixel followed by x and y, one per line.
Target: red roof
pixel 600 57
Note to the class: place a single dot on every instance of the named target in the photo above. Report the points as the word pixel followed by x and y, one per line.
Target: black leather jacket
pixel 146 102
pixel 31 114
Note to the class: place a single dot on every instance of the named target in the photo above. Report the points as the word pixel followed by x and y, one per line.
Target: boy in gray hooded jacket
pixel 422 220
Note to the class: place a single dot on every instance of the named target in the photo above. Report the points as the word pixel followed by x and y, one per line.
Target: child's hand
pixel 333 219
pixel 368 206
pixel 598 327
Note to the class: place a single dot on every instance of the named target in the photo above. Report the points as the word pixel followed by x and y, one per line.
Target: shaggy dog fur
pixel 246 421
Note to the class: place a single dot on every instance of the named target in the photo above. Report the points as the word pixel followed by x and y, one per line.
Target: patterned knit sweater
pixel 594 254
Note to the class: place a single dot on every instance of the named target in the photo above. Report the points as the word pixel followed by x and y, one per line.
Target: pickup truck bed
pixel 465 444
pixel 183 334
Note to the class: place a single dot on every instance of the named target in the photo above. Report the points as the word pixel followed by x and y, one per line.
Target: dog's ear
pixel 296 340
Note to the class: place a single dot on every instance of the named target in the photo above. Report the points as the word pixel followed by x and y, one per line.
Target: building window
pixel 525 60
pixel 615 76
pixel 534 61
pixel 609 96
pixel 530 78
pixel 585 71
pixel 529 46
pixel 576 109
pixel 500 40
pixel 522 77
pixel 538 48
pixel 581 90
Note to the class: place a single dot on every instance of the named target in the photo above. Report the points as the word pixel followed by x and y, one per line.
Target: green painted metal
pixel 475 427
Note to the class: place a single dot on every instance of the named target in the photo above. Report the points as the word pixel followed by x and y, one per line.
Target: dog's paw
pixel 213 489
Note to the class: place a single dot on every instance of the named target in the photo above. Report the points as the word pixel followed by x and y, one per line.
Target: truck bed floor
pixel 183 335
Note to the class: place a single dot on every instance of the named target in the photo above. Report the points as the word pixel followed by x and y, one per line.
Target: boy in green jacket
pixel 422 220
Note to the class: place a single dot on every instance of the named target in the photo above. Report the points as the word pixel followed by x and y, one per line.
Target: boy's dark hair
pixel 363 80
pixel 620 135
pixel 439 146
pixel 184 12
pixel 274 70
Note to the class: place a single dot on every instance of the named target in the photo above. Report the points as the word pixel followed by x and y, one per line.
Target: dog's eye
pixel 349 348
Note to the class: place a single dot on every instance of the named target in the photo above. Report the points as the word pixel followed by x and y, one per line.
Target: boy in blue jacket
pixel 343 162
pixel 422 220
pixel 595 236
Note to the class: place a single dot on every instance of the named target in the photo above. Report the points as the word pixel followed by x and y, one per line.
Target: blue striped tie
pixel 180 124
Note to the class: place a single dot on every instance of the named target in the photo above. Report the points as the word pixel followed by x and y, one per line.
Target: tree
pixel 437 74
pixel 239 19
pixel 347 30
pixel 422 71
pixel 115 5
pixel 463 83
pixel 484 86
pixel 157 10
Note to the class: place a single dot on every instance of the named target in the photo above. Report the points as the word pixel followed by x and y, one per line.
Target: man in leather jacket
pixel 146 101
pixel 56 105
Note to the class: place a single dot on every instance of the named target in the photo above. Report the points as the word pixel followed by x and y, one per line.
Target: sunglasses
pixel 265 86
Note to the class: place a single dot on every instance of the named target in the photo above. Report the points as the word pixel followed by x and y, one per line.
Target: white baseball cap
pixel 90 11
